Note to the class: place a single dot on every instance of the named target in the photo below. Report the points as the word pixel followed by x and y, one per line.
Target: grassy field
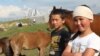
pixel 31 28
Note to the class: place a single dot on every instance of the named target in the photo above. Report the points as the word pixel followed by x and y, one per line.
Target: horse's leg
pixel 42 51
pixel 7 49
pixel 16 49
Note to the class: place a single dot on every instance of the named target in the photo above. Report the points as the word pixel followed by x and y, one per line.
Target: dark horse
pixel 5 46
pixel 30 40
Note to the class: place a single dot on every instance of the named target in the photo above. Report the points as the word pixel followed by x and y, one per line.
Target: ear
pixel 54 7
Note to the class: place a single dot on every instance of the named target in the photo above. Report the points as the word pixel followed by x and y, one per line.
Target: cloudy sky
pixel 20 8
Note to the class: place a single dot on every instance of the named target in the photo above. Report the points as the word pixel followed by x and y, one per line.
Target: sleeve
pixel 95 44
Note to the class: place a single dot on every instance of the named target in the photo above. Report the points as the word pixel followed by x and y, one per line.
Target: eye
pixel 81 19
pixel 75 19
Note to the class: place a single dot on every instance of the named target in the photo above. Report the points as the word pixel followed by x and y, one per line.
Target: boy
pixel 60 36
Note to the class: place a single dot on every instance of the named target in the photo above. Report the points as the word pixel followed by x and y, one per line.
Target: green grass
pixel 31 28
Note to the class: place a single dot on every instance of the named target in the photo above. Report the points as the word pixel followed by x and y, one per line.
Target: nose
pixel 78 22
pixel 54 22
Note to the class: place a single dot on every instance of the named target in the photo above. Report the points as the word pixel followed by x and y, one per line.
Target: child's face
pixel 56 21
pixel 82 23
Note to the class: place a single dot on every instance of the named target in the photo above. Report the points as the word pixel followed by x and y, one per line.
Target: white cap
pixel 83 11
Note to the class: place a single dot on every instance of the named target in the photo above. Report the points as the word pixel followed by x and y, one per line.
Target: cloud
pixel 15 10
pixel 10 11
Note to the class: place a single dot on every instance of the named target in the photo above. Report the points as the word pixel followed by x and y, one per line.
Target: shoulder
pixel 94 36
pixel 94 42
pixel 64 30
pixel 65 33
pixel 53 31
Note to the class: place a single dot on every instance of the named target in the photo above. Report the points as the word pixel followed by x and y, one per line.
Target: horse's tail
pixel 8 50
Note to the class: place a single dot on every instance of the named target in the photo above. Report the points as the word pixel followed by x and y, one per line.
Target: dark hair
pixel 61 12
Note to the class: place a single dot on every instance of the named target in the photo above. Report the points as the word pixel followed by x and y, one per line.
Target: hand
pixel 77 54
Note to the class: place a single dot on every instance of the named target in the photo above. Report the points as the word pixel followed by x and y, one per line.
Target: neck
pixel 59 28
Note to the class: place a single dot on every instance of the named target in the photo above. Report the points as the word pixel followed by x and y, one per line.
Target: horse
pixel 30 40
pixel 5 47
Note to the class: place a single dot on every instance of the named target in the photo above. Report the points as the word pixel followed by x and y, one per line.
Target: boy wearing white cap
pixel 87 43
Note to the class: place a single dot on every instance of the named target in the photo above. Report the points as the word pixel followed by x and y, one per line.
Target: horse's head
pixel 69 23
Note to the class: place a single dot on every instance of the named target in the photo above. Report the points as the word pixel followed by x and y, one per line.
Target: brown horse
pixel 30 40
pixel 5 47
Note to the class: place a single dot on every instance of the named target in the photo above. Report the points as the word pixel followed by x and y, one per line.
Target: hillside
pixel 15 29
